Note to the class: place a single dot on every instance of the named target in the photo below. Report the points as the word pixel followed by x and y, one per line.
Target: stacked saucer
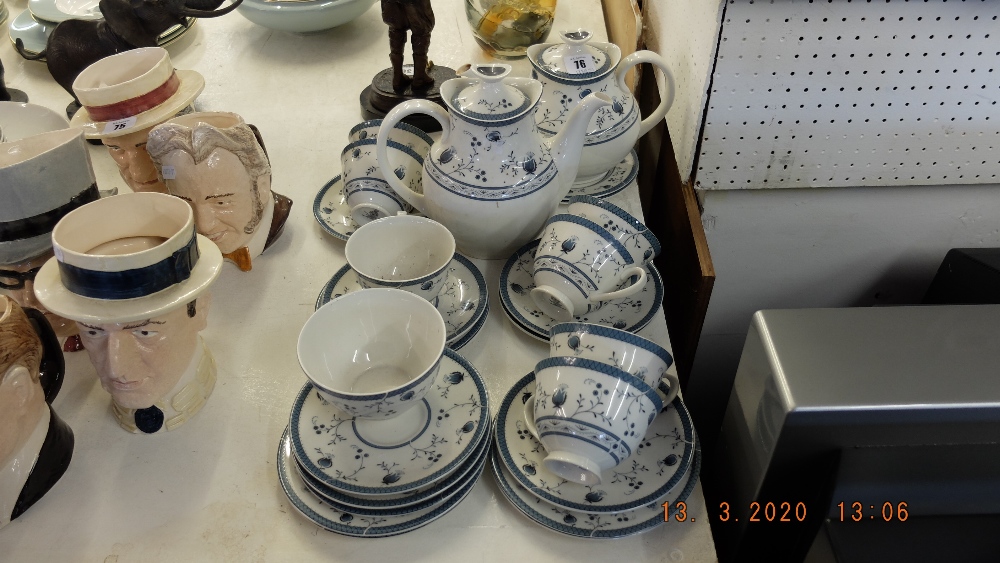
pixel 383 478
pixel 629 499
pixel 516 282
pixel 462 302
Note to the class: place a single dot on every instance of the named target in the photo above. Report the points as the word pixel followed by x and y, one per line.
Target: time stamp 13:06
pixel 793 512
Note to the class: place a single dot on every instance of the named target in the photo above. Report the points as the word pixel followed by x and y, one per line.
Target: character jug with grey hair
pixel 217 163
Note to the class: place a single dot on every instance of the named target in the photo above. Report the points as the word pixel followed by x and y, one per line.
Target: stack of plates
pixel 32 26
pixel 629 500
pixel 462 302
pixel 357 479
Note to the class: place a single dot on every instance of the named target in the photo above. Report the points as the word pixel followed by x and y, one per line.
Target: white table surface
pixel 209 490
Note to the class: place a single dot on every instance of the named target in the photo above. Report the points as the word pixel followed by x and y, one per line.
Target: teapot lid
pixel 488 96
pixel 575 58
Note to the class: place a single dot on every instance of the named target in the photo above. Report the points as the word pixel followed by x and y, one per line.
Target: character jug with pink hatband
pixel 492 178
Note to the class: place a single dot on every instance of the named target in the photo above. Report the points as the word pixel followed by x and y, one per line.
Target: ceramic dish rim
pixel 504 452
pixel 498 467
pixel 452 465
pixel 482 309
pixel 405 505
pixel 392 530
pixel 523 323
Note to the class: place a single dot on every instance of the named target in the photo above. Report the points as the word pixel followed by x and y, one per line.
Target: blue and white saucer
pixel 401 504
pixel 653 470
pixel 398 455
pixel 516 282
pixel 614 181
pixel 583 525
pixel 348 523
pixel 331 210
pixel 463 300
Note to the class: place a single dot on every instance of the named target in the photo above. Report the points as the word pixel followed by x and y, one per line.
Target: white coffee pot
pixel 492 178
pixel 569 72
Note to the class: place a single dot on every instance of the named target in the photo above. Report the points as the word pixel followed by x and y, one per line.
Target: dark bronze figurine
pixel 417 17
pixel 10 94
pixel 128 24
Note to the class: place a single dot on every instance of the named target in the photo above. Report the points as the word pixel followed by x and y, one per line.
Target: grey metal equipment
pixel 880 429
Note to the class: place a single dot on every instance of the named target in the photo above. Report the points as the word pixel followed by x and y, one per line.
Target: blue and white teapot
pixel 569 72
pixel 492 178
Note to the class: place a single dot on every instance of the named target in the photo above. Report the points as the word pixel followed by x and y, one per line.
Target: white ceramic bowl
pixel 628 352
pixel 368 194
pixel 631 232
pixel 303 17
pixel 403 252
pixel 589 416
pixel 18 121
pixel 373 353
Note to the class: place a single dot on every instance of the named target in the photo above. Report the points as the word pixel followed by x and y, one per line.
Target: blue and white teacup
pixel 631 232
pixel 588 415
pixel 579 265
pixel 373 354
pixel 628 352
pixel 403 133
pixel 402 252
pixel 368 194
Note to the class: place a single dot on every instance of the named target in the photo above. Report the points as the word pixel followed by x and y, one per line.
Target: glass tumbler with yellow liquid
pixel 506 28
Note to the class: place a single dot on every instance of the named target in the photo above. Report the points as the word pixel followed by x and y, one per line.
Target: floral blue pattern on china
pixel 577 67
pixel 588 525
pixel 656 466
pixel 492 179
pixel 422 499
pixel 638 239
pixel 400 503
pixel 517 281
pixel 616 180
pixel 348 523
pixel 331 211
pixel 330 444
pixel 462 300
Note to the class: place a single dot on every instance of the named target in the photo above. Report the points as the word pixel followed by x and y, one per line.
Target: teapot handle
pixel 666 100
pixel 391 119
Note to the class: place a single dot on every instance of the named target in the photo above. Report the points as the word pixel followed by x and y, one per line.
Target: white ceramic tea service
pixel 578 265
pixel 590 416
pixel 577 67
pixel 392 430
pixel 491 178
pixel 373 354
pixel 402 252
pixel 663 467
pixel 368 194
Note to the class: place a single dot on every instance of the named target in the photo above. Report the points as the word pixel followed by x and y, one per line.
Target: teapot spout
pixel 567 145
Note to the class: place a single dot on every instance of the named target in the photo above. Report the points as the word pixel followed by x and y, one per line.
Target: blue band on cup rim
pixel 137 282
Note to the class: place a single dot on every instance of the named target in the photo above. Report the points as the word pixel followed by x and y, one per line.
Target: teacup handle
pixel 529 416
pixel 625 291
pixel 667 388
pixel 666 100
pixel 381 152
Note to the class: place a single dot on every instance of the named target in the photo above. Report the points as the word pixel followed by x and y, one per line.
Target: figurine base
pixel 379 98
pixel 17 96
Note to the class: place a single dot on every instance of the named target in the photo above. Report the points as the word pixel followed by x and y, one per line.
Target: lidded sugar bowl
pixel 578 66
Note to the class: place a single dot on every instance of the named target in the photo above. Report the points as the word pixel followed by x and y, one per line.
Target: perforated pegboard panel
pixel 685 33
pixel 810 93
